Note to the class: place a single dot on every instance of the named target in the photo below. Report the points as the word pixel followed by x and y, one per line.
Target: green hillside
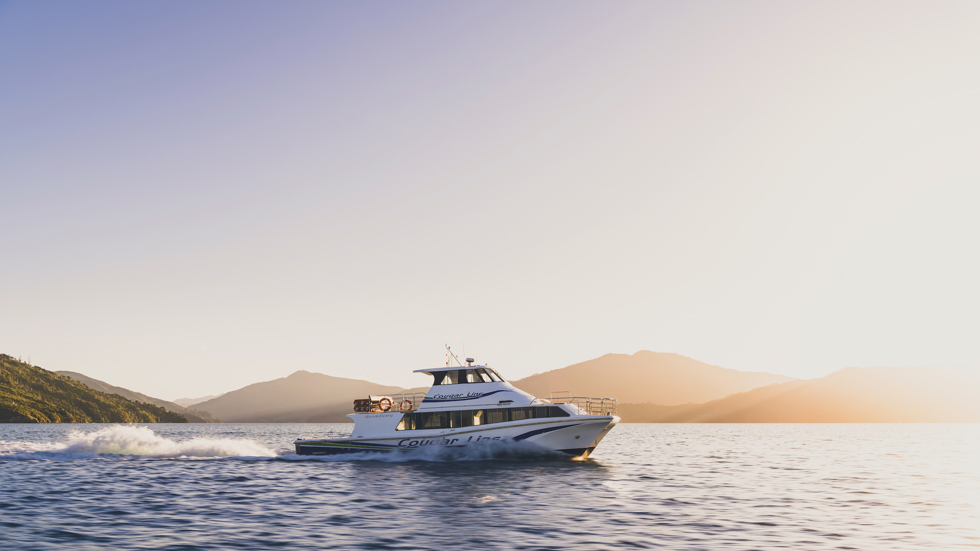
pixel 29 394
pixel 192 415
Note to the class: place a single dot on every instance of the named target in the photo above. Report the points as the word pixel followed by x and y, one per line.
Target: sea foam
pixel 141 442
pixel 122 440
pixel 127 440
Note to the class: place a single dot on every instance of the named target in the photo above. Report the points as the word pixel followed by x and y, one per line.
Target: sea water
pixel 240 486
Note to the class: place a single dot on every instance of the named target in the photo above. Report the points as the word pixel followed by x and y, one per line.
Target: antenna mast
pixel 449 354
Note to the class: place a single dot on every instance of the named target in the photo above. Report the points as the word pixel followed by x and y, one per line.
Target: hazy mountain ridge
pixel 302 397
pixel 851 395
pixel 657 377
pixel 30 394
pixel 315 397
pixel 192 415
pixel 188 402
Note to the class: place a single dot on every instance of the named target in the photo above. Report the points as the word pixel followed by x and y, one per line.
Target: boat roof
pixel 457 368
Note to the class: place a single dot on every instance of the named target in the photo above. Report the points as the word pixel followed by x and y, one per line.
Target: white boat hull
pixel 576 436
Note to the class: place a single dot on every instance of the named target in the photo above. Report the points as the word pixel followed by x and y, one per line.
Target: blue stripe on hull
pixel 529 434
pixel 460 399
pixel 323 450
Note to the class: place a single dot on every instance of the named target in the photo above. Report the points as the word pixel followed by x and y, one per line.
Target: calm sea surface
pixel 230 486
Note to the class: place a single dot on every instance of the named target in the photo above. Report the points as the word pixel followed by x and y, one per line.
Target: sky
pixel 197 196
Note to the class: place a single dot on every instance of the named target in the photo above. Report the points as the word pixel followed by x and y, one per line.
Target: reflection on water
pixel 667 486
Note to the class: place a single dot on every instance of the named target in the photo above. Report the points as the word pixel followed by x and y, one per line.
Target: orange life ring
pixel 404 407
pixel 384 404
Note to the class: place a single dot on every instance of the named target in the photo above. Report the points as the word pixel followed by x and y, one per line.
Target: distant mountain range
pixel 29 394
pixel 302 397
pixel 192 415
pixel 188 402
pixel 657 377
pixel 644 376
pixel 649 386
pixel 851 395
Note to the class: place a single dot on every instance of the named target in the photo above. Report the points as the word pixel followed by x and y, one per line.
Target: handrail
pixel 399 403
pixel 587 405
pixel 410 402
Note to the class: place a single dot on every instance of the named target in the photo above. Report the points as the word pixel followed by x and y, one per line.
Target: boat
pixel 467 405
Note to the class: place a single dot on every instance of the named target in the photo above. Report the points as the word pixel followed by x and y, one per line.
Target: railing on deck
pixel 588 406
pixel 396 403
pixel 410 402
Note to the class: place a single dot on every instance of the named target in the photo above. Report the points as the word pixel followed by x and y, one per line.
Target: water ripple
pixel 211 487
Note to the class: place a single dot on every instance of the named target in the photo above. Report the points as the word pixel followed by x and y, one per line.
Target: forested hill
pixel 192 415
pixel 29 394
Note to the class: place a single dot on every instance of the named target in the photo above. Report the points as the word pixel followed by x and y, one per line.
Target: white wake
pixel 134 441
pixel 140 442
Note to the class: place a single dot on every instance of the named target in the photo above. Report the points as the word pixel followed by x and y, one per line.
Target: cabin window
pixel 407 422
pixel 459 376
pixel 475 418
pixel 555 411
pixel 497 416
pixel 435 420
pixel 455 419
pixel 444 378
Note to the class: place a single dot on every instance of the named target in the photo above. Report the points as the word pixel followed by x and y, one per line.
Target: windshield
pixel 464 376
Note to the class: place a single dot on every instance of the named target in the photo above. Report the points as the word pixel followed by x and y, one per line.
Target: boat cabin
pixel 475 395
